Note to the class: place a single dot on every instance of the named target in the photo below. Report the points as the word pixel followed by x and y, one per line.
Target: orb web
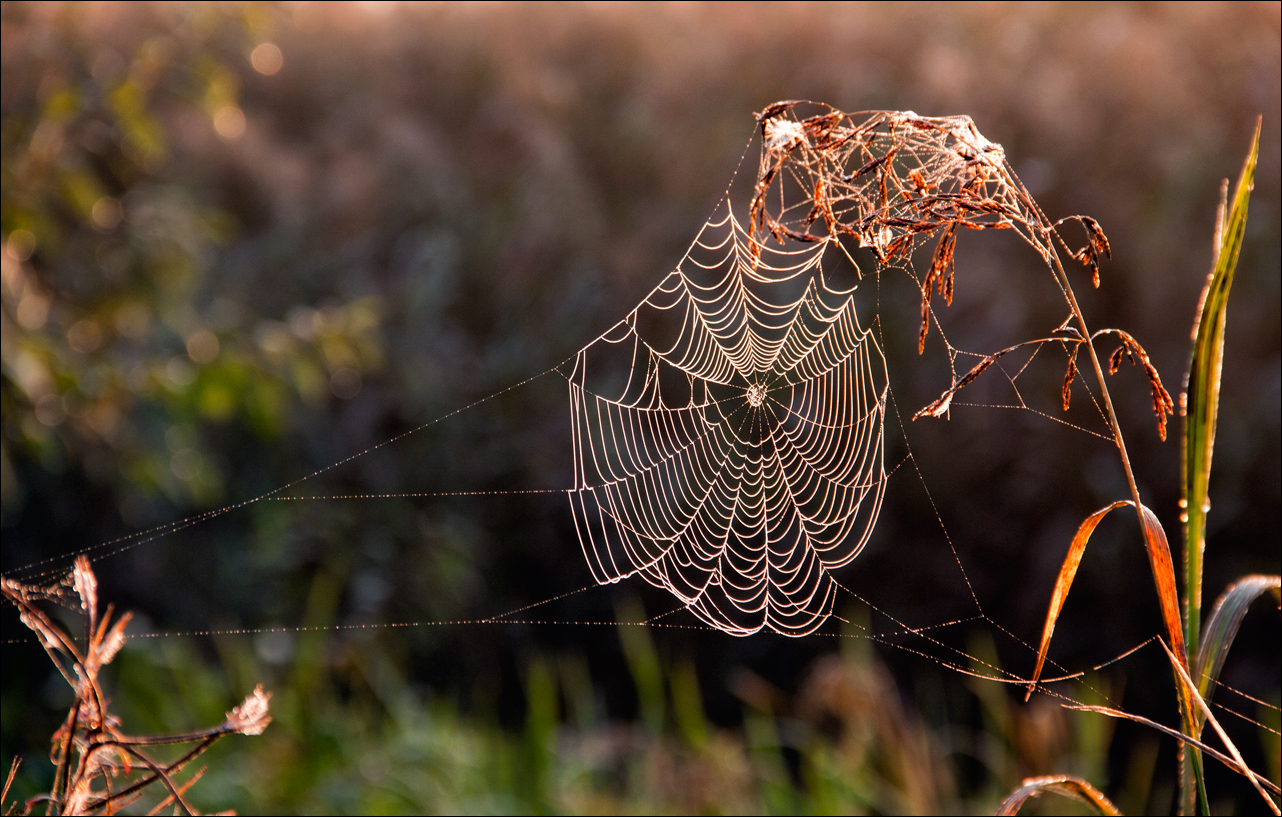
pixel 728 434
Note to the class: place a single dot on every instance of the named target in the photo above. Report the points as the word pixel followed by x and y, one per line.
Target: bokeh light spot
pixel 202 347
pixel 21 244
pixel 33 310
pixel 229 121
pixel 107 213
pixel 267 59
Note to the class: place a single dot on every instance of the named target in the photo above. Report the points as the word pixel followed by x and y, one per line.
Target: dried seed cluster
pixel 892 180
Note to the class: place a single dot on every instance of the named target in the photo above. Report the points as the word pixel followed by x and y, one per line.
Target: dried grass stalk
pixel 90 750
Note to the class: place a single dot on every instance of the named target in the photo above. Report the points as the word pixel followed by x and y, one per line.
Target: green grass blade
pixel 1221 627
pixel 1202 398
pixel 1200 406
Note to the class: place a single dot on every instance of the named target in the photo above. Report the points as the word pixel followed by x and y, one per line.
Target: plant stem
pixel 1099 375
pixel 1187 716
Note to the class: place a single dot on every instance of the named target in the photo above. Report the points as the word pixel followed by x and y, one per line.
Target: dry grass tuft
pixel 892 180
pixel 99 768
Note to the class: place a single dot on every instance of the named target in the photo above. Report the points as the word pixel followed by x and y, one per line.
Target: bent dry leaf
pixel 1209 751
pixel 1062 784
pixel 1159 557
pixel 1064 581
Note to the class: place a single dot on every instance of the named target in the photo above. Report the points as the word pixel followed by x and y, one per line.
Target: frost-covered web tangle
pixel 728 433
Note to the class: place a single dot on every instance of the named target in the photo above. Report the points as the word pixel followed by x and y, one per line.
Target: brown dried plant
pixel 98 768
pixel 891 181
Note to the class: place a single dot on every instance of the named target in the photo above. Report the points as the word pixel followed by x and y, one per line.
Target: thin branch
pixel 164 778
pixel 173 768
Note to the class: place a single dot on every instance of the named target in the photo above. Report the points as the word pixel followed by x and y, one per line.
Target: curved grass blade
pixel 1222 626
pixel 1159 557
pixel 1064 581
pixel 1201 400
pixel 1062 784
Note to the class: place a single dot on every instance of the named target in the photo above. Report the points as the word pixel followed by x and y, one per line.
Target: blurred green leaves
pixel 350 735
pixel 121 356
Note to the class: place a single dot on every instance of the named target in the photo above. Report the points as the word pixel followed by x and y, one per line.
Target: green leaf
pixel 1222 626
pixel 1201 400
pixel 1199 405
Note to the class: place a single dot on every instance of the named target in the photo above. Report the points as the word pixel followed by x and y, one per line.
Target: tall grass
pixel 1197 652
pixel 889 181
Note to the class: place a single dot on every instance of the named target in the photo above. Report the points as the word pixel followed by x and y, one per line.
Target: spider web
pixel 729 433
pixel 740 458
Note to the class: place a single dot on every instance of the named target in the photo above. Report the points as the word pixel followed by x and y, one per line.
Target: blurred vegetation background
pixel 245 241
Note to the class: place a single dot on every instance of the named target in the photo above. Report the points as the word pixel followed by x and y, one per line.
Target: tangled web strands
pixel 889 180
pixel 728 433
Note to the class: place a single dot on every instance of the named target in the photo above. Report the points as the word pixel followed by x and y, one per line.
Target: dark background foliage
pixel 218 280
